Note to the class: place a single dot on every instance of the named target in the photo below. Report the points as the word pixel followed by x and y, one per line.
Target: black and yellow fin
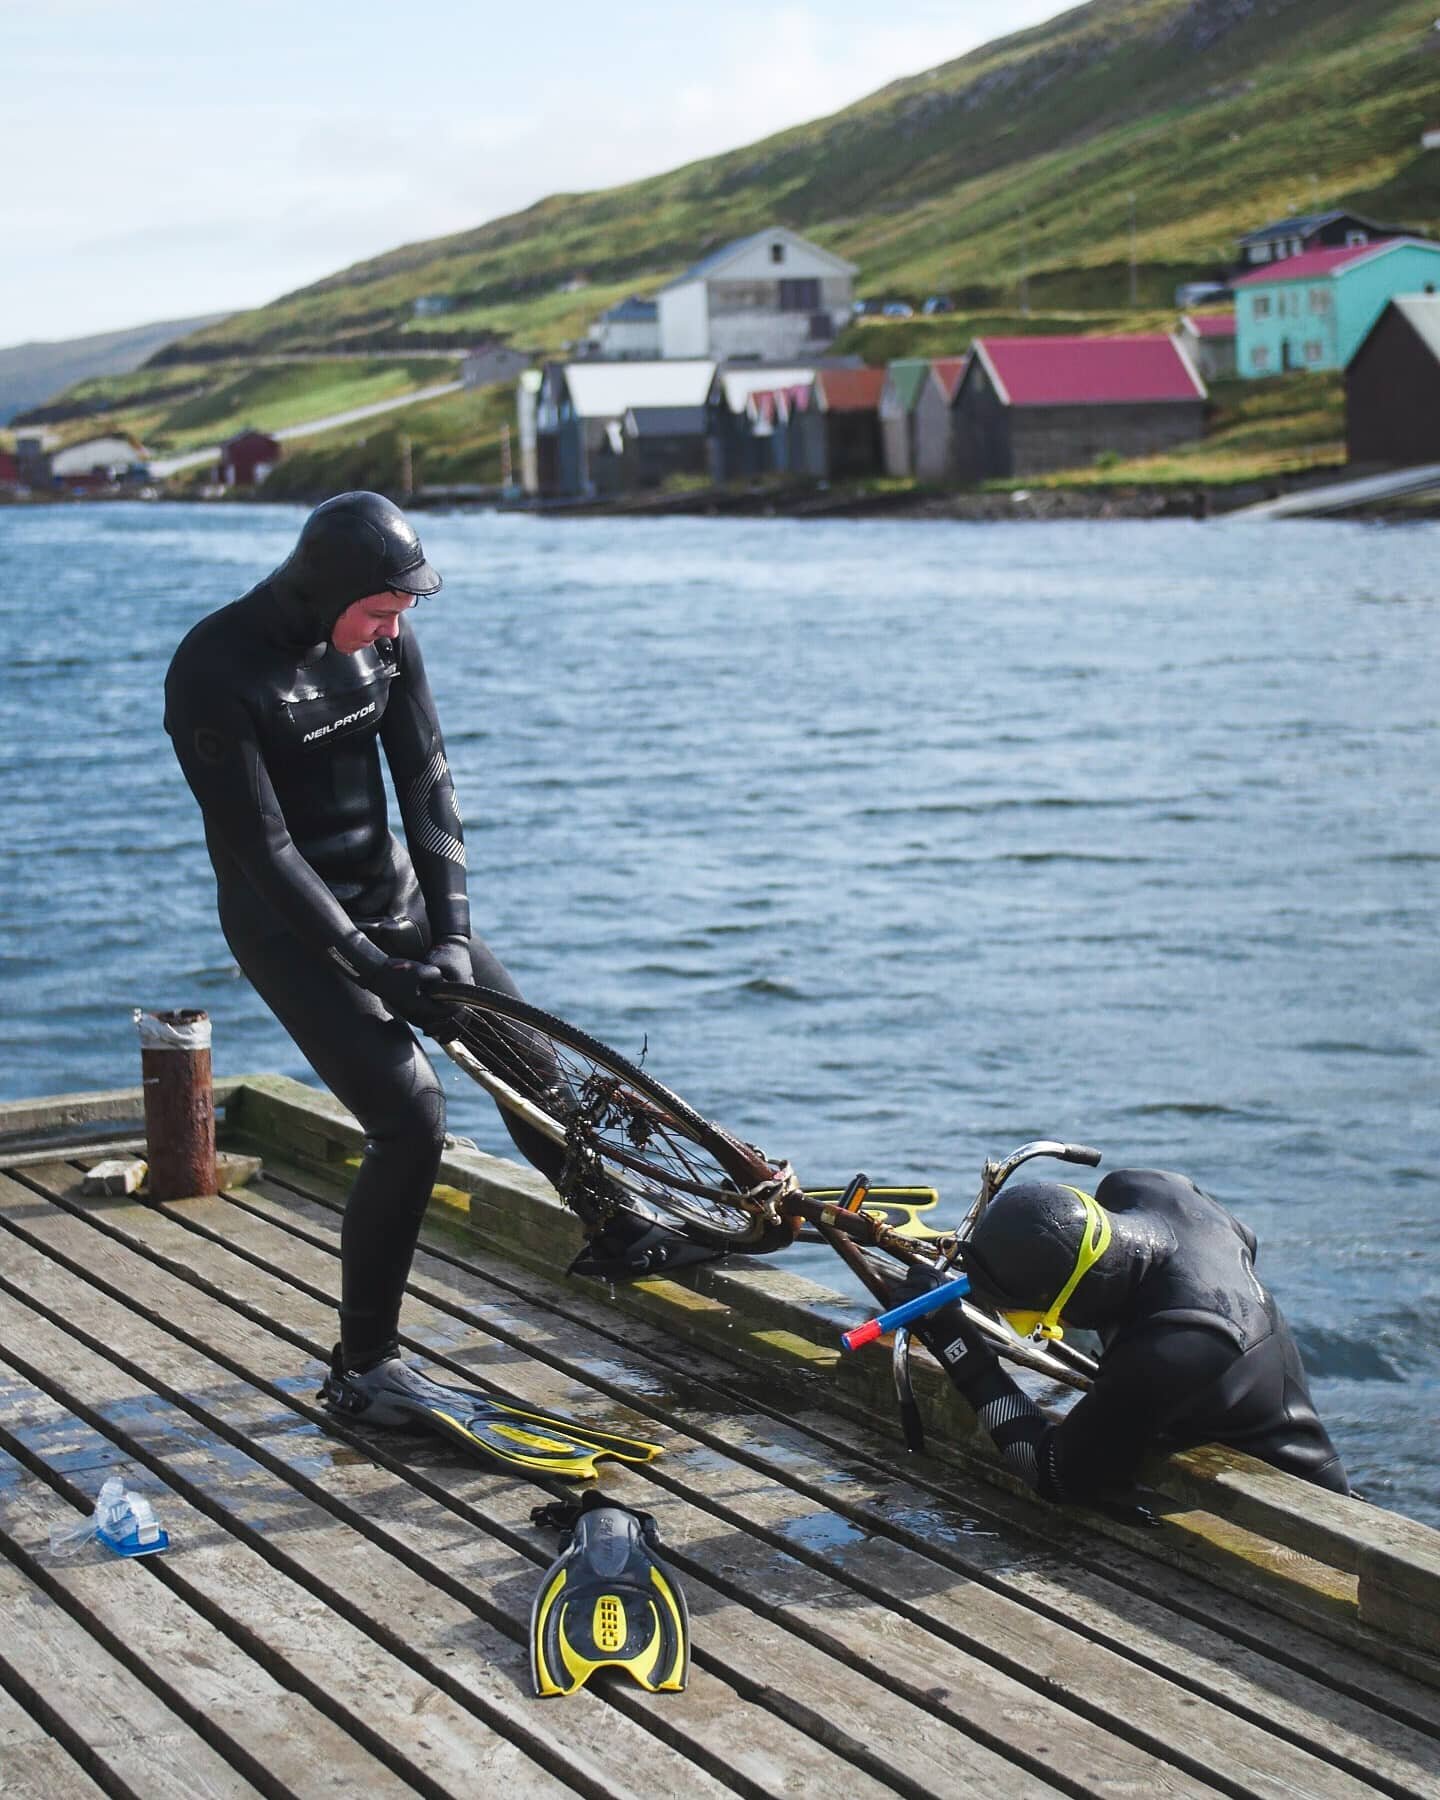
pixel 608 1602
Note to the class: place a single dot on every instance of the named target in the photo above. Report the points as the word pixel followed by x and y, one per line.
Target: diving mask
pixel 1094 1242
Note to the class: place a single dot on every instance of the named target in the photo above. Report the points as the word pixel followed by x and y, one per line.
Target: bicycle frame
pixel 845 1225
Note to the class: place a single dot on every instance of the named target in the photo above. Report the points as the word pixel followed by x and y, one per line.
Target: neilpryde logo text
pixel 336 724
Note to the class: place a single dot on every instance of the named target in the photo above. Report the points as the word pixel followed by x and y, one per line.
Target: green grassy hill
pixel 186 405
pixel 1021 158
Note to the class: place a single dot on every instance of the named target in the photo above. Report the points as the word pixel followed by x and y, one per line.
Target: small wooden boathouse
pixel 344 1614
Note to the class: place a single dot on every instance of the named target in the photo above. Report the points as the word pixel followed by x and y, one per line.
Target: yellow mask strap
pixel 1093 1244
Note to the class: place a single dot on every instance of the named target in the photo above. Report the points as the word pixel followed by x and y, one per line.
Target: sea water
pixel 892 844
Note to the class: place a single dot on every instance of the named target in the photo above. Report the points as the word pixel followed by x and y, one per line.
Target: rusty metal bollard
pixel 179 1103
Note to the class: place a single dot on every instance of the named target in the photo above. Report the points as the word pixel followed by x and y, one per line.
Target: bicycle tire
pixel 661 1158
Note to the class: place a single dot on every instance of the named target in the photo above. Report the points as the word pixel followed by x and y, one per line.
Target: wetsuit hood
pixel 1031 1240
pixel 349 548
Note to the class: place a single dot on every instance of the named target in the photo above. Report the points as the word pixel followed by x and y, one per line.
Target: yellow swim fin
pixel 607 1601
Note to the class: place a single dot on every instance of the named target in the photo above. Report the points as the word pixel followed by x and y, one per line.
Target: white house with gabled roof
pixel 772 296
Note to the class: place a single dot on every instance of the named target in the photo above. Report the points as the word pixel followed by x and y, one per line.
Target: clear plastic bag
pixel 122 1520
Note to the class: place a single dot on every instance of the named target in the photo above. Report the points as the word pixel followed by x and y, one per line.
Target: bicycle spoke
pixel 626 1143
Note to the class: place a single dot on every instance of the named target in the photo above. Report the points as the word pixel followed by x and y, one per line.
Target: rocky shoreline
pixel 1191 501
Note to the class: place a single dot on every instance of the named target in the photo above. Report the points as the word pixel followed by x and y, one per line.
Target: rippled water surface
pixel 898 843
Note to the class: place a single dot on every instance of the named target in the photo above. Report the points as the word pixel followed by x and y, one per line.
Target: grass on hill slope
pixel 453 440
pixel 881 341
pixel 189 405
pixel 1025 155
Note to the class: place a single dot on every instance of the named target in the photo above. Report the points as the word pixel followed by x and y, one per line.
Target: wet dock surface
pixel 345 1613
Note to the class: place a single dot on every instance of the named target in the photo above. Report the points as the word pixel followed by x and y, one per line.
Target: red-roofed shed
pixel 247 459
pixel 1208 339
pixel 838 434
pixel 849 390
pixel 934 449
pixel 1028 405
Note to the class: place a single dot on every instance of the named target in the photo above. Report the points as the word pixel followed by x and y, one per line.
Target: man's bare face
pixel 376 616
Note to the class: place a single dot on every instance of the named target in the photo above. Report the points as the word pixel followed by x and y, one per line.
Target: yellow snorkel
pixel 1094 1242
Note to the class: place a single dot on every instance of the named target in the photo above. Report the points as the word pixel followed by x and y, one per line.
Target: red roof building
pixel 1309 263
pixel 837 435
pixel 1028 405
pixel 947 370
pixel 1312 311
pixel 1208 339
pixel 246 460
pixel 1088 371
pixel 849 390
pixel 934 446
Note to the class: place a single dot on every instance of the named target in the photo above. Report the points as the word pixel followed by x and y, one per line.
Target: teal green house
pixel 1312 311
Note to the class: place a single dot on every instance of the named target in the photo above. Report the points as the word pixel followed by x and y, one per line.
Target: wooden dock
pixel 344 1613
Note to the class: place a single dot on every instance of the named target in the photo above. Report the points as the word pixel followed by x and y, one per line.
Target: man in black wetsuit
pixel 1194 1349
pixel 278 705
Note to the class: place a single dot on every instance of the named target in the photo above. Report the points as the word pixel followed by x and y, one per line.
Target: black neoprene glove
pixel 401 985
pixel 451 956
pixel 961 1350
pixel 1016 1426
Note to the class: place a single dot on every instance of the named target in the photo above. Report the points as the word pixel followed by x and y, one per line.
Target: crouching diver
pixel 1195 1350
pixel 278 706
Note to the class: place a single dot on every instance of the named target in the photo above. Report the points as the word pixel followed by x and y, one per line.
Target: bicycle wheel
pixel 630 1144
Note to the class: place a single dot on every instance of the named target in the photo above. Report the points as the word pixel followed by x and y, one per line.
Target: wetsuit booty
pixel 392 1393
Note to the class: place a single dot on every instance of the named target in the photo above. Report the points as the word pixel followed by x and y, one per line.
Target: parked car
pixel 866 309
pixel 938 303
pixel 1200 293
pixel 898 309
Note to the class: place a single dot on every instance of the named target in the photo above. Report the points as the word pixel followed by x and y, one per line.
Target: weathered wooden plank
pixel 914 1747
pixel 97 1707
pixel 415 1725
pixel 32 1765
pixel 1223 1631
pixel 44 1772
pixel 1372 1747
pixel 67 1113
pixel 375 1585
pixel 276 1738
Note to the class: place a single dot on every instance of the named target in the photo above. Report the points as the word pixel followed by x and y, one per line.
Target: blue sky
pixel 169 159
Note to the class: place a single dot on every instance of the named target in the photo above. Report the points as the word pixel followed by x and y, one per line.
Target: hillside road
pixel 192 459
